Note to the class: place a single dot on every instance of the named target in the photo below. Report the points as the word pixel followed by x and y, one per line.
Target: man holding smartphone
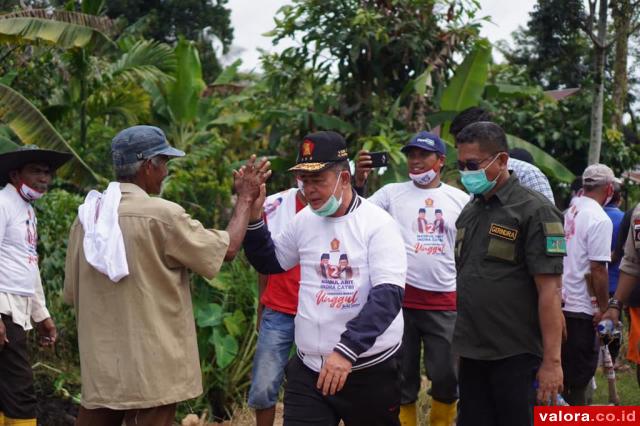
pixel 430 291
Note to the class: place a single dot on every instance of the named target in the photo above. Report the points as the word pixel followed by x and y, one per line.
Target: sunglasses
pixel 473 164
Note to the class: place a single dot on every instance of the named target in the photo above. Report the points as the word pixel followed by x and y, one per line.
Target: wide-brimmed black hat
pixel 319 151
pixel 27 154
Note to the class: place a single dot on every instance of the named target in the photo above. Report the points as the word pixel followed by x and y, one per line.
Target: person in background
pixel 278 303
pixel 521 154
pixel 588 232
pixel 612 209
pixel 26 175
pixel 429 305
pixel 529 175
pixel 628 291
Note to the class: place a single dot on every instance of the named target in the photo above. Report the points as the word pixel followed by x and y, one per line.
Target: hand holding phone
pixel 379 159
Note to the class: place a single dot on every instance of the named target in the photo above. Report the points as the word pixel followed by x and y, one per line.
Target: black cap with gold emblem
pixel 319 151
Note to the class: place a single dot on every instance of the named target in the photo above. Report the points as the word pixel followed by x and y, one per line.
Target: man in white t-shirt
pixel 348 327
pixel 430 292
pixel 26 175
pixel 588 232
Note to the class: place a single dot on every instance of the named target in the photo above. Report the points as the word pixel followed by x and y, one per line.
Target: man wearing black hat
pixel 136 334
pixel 26 175
pixel 347 329
pixel 429 304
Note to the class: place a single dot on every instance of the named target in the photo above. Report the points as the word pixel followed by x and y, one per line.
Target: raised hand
pixel 363 167
pixel 249 178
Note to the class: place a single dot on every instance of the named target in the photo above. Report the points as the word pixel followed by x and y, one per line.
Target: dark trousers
pixel 370 397
pixel 579 358
pixel 156 416
pixel 17 395
pixel 497 393
pixel 434 330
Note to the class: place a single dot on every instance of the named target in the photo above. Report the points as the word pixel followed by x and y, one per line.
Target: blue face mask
pixel 331 205
pixel 476 182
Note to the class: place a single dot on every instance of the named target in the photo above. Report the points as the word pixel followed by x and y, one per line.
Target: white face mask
pixel 423 178
pixel 29 194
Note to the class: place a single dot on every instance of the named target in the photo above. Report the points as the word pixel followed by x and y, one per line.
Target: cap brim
pixel 172 152
pixel 310 167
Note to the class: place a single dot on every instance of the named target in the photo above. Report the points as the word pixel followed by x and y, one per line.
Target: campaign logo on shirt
pixel 31 238
pixel 270 208
pixel 430 235
pixel 570 222
pixel 337 286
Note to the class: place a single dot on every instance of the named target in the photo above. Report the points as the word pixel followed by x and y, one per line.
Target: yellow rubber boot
pixel 1 418
pixel 442 414
pixel 408 415
pixel 8 421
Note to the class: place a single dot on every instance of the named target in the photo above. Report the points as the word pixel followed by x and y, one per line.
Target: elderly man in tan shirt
pixel 137 337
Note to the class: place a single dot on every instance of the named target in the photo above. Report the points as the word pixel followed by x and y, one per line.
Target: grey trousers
pixel 434 331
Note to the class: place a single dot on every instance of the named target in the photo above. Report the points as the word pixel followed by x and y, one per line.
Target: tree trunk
pixel 595 141
pixel 621 11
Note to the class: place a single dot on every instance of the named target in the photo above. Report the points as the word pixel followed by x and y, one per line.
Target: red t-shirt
pixel 415 298
pixel 281 293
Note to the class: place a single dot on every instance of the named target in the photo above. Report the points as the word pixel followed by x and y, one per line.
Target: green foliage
pixel 545 162
pixel 183 94
pixel 225 312
pixel 553 49
pixel 467 85
pixel 62 28
pixel 56 212
pixel 203 21
pixel 31 127
pixel 376 47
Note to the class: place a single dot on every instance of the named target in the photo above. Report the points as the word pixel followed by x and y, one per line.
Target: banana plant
pixel 31 127
pixel 467 88
pixel 467 85
pixel 63 29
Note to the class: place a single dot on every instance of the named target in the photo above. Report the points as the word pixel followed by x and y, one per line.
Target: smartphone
pixel 379 159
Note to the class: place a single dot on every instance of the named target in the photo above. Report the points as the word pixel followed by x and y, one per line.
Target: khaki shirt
pixel 631 261
pixel 502 243
pixel 137 337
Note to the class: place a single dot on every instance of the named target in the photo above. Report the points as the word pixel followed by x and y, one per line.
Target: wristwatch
pixel 615 304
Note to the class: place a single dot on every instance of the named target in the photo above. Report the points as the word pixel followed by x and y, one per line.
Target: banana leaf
pixel 63 28
pixel 545 162
pixel 468 83
pixel 32 127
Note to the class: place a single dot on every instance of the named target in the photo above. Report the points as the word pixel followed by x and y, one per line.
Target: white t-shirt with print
pixel 588 231
pixel 341 259
pixel 427 219
pixel 19 271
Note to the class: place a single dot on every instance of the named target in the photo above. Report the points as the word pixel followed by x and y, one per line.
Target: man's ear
pixel 345 178
pixel 504 159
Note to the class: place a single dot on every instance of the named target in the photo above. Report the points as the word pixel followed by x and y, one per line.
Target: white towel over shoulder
pixel 103 243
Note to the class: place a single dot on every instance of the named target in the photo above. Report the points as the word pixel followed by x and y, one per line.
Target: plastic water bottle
pixel 606 327
pixel 560 401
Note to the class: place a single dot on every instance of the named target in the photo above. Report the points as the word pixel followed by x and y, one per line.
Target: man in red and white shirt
pixel 430 292
pixel 26 175
pixel 276 314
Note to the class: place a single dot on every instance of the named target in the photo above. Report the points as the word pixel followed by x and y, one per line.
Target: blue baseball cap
pixel 139 143
pixel 427 141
